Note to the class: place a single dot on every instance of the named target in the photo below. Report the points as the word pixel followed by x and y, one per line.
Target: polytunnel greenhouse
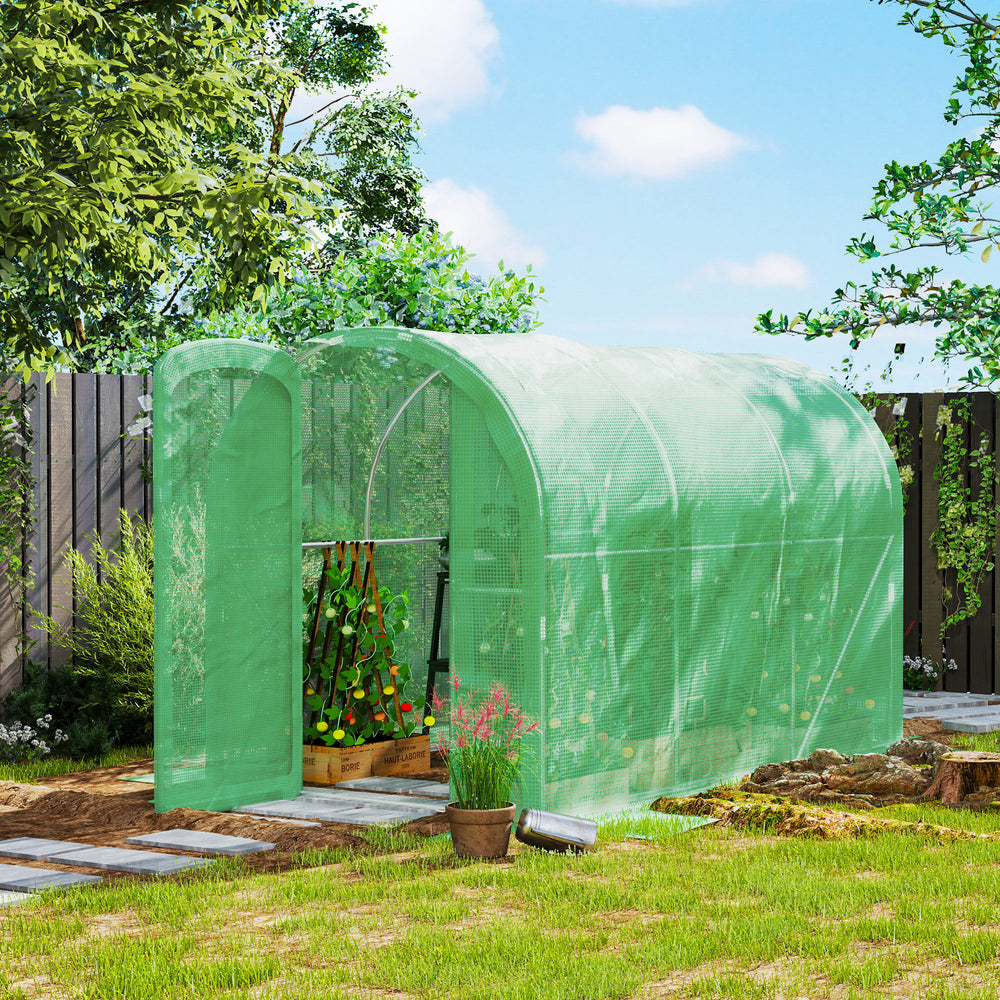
pixel 683 564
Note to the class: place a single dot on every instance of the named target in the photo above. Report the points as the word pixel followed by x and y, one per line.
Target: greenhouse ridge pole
pixel 385 437
pixel 380 541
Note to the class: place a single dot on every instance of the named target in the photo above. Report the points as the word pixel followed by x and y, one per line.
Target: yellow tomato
pixel 322 726
pixel 429 720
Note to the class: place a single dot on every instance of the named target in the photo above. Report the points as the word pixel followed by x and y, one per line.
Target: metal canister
pixel 553 832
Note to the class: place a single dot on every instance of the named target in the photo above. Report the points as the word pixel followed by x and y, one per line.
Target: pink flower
pixel 461 742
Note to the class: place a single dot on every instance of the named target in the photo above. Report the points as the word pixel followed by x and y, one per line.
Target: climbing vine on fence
pixel 16 485
pixel 895 435
pixel 965 536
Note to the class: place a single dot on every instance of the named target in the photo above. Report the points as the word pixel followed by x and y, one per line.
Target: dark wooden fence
pixel 86 469
pixel 974 643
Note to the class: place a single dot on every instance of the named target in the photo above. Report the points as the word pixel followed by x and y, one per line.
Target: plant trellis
pixel 684 565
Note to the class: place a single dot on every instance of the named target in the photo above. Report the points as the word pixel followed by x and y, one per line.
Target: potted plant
pixel 357 716
pixel 483 750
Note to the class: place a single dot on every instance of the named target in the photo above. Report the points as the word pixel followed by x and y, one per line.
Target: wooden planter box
pixel 324 765
pixel 393 757
pixel 330 765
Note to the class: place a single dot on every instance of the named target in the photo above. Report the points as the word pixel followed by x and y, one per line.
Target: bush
pixel 106 697
pixel 68 699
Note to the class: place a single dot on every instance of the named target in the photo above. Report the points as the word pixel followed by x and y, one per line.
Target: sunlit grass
pixel 984 742
pixel 53 765
pixel 653 911
pixel 711 912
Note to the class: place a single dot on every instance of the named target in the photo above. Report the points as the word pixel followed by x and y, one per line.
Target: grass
pixel 710 913
pixel 53 765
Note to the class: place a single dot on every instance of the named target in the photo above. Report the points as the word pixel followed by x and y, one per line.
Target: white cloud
pixel 658 144
pixel 441 48
pixel 769 270
pixel 479 225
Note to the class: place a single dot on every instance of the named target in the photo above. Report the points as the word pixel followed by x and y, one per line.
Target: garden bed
pixel 99 807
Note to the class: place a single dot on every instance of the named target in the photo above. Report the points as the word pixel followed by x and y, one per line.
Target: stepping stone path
pixel 361 802
pixel 124 860
pixel 963 713
pixel 405 786
pixel 203 843
pixel 347 803
pixel 7 897
pixel 22 879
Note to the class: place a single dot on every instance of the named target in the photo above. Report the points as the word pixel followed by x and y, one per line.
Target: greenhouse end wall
pixel 684 565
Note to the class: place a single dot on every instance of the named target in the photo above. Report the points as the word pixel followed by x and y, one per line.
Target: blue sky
pixel 671 168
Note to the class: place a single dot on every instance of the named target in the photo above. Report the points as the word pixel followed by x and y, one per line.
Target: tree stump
pixel 961 772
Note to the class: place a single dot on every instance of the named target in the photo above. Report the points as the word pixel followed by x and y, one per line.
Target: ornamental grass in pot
pixel 484 752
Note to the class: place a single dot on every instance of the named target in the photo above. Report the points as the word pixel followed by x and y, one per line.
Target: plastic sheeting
pixel 683 564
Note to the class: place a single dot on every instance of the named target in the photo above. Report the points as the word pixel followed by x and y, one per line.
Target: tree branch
pixel 180 285
pixel 320 111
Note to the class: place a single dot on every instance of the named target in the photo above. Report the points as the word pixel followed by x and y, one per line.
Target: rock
pixel 794 782
pixel 918 751
pixel 820 760
pixel 766 773
pixel 869 761
pixel 888 777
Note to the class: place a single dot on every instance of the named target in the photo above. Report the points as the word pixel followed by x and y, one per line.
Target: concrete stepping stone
pixel 969 713
pixel 978 724
pixel 201 842
pixel 125 860
pixel 20 878
pixel 345 807
pixel 405 786
pixel 7 897
pixel 37 848
pixel 372 800
pixel 283 819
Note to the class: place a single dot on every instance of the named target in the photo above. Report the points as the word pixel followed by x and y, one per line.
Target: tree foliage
pixel 146 168
pixel 420 281
pixel 104 204
pixel 357 140
pixel 932 205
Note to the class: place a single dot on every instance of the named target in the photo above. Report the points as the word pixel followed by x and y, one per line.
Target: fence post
pixel 931 579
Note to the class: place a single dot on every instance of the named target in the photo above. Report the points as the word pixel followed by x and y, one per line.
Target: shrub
pixel 111 681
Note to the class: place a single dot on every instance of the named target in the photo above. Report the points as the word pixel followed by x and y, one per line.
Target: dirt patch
pixel 98 807
pixel 931 729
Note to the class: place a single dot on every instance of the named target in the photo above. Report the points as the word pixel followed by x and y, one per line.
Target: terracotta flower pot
pixel 480 833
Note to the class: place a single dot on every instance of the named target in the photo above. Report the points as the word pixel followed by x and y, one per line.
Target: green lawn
pixel 713 912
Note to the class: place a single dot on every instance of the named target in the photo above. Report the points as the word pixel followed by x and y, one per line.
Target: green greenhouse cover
pixel 683 564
